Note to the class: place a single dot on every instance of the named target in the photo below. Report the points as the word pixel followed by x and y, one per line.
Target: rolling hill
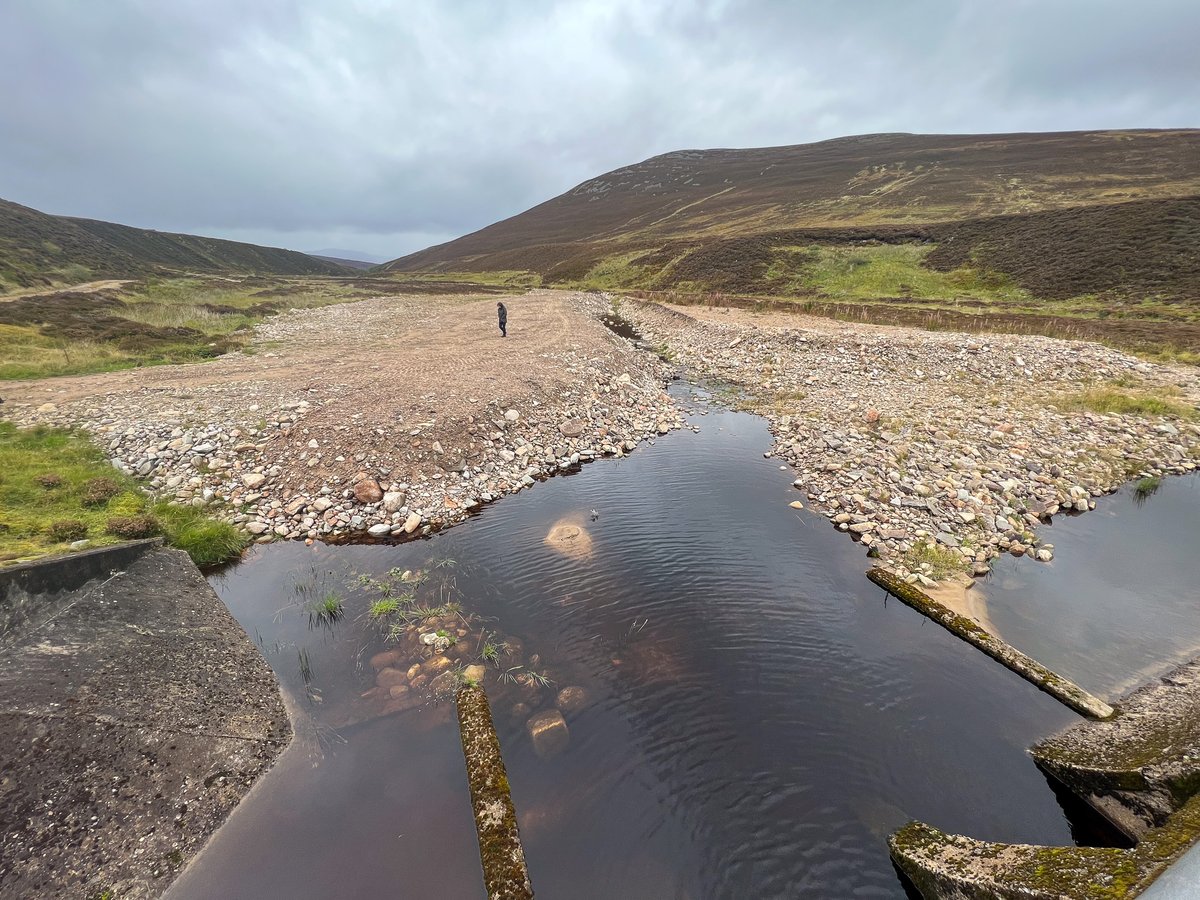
pixel 928 217
pixel 38 249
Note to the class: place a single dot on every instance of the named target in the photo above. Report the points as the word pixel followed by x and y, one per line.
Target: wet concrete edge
pixel 135 713
pixel 1140 769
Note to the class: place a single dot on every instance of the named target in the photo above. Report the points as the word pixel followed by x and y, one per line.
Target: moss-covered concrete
pixel 970 631
pixel 500 851
pixel 1140 767
pixel 952 867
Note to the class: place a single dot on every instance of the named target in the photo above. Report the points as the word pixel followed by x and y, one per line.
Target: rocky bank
pixel 937 451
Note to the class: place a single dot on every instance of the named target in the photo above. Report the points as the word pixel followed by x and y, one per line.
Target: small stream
pixel 760 715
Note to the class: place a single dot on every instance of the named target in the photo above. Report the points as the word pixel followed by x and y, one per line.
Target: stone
pixel 386 677
pixel 796 504
pixel 393 500
pixel 385 659
pixel 412 523
pixel 381 529
pixel 398 690
pixel 368 491
pixel 257 527
pixel 872 416
pixel 569 538
pixel 475 674
pixel 549 733
pixel 436 665
pixel 254 480
pixel 439 642
pixel 572 699
pixel 572 428
pixel 511 416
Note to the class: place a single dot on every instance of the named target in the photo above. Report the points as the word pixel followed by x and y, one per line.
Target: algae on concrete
pixel 1004 653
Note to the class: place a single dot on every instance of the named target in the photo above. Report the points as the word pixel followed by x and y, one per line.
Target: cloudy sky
pixel 388 125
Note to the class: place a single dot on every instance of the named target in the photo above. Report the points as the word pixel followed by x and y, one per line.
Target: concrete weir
pixel 134 715
pixel 504 871
pixel 1141 770
pixel 1004 653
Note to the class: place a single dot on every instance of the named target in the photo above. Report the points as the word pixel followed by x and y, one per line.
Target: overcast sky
pixel 385 126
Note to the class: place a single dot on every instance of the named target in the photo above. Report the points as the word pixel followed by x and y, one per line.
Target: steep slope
pixel 850 188
pixel 38 248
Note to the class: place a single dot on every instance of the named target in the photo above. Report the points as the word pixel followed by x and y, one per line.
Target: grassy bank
pixel 156 321
pixel 56 487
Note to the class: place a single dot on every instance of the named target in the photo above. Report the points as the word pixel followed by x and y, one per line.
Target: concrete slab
pixel 134 714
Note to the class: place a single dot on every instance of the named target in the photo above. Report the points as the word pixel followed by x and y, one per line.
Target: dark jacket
pixel 500 308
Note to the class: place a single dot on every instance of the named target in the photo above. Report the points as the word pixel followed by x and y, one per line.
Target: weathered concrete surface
pixel 952 867
pixel 1141 766
pixel 504 872
pixel 134 714
pixel 1004 653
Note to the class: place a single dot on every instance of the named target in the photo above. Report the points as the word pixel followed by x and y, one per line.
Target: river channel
pixel 760 716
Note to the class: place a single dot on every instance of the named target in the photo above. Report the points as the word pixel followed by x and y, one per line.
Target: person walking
pixel 503 314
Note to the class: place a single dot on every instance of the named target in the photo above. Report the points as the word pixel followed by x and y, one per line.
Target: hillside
pixel 39 249
pixel 851 190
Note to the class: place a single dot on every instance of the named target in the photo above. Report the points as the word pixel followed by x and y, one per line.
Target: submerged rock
pixel 549 733
pixel 572 699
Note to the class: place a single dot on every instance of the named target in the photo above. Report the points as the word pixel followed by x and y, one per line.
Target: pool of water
pixel 761 715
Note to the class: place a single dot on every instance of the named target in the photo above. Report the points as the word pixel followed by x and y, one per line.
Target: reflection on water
pixel 759 715
pixel 1121 600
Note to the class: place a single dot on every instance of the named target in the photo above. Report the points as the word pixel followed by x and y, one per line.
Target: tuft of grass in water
pixel 381 609
pixel 1110 400
pixel 1146 488
pixel 207 541
pixel 938 562
pixel 327 611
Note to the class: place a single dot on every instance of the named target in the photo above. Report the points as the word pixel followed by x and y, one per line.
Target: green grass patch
pixel 885 270
pixel 157 321
pixel 27 353
pixel 1147 486
pixel 57 487
pixel 1108 400
pixel 941 561
pixel 206 540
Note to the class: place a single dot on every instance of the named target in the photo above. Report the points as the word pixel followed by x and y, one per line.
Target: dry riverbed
pixel 938 450
pixel 391 416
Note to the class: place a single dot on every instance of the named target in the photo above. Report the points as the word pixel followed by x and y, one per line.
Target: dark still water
pixel 760 720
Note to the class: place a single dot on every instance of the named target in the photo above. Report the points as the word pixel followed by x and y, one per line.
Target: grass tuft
pixel 938 562
pixel 207 541
pixel 1110 400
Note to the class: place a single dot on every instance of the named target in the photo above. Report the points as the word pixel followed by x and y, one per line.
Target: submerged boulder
pixel 549 733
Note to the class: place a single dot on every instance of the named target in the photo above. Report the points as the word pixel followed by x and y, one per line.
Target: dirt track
pixel 87 287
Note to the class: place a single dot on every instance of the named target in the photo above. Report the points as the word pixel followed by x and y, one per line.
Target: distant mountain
pixel 747 220
pixel 40 249
pixel 358 264
pixel 352 255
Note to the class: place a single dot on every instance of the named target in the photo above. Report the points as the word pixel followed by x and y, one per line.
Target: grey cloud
pixel 384 124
